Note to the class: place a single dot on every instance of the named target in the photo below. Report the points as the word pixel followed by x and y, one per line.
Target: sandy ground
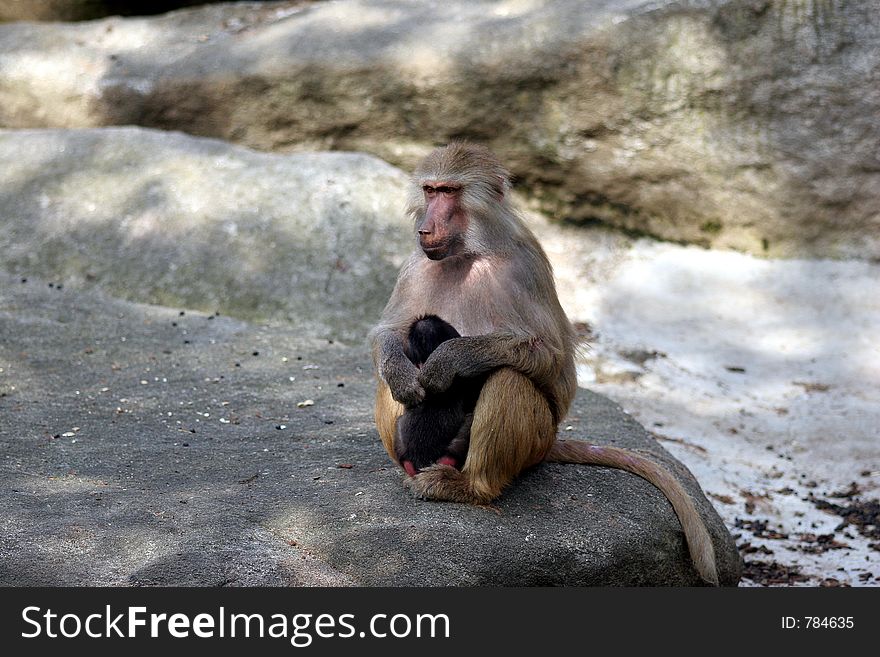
pixel 762 376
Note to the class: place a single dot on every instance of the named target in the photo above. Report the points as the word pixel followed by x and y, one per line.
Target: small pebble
pixel 307 402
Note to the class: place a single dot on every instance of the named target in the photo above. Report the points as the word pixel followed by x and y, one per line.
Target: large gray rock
pixel 144 447
pixel 749 124
pixel 167 218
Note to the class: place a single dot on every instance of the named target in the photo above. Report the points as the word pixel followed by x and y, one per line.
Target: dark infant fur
pixel 440 426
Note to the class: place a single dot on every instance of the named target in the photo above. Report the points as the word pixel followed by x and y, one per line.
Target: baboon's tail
pixel 698 540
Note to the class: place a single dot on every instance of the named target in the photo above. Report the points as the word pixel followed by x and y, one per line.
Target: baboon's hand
pixel 403 381
pixel 439 371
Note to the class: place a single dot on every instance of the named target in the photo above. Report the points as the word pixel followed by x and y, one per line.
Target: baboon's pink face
pixel 442 227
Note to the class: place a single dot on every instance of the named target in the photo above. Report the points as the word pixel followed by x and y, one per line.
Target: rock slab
pixel 145 445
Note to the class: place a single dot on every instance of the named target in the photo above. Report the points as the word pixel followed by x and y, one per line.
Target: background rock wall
pixel 745 124
pixel 79 10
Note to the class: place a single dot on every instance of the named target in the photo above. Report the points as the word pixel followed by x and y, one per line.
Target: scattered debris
pixel 752 500
pixel 773 573
pixel 584 330
pixel 849 493
pixel 641 356
pixel 759 529
pixel 821 543
pixel 812 387
pixel 678 441
pixel 863 515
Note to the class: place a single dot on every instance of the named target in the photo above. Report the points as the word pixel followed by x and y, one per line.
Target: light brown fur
pixel 495 286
